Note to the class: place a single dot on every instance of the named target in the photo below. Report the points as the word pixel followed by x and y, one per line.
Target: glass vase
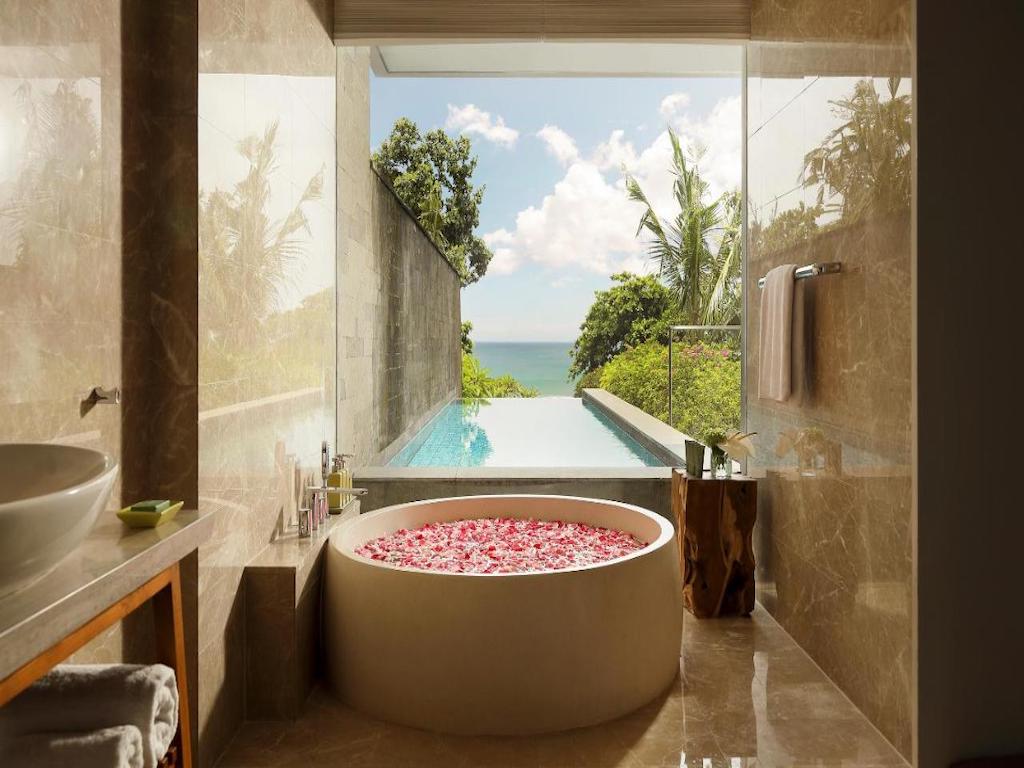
pixel 720 465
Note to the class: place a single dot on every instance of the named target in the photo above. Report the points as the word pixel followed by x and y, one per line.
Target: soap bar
pixel 153 505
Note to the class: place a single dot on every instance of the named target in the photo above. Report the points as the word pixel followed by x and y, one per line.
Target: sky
pixel 551 155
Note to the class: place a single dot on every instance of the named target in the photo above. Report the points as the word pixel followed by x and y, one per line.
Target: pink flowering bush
pixel 500 545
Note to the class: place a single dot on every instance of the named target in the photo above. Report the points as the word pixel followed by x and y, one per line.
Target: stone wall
pixel 398 298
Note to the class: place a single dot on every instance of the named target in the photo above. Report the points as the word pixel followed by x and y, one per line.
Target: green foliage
pixel 432 173
pixel 432 217
pixel 250 347
pixel 698 252
pixel 867 159
pixel 467 343
pixel 52 190
pixel 706 385
pixel 787 230
pixel 293 353
pixel 478 382
pixel 245 258
pixel 636 309
pixel 589 380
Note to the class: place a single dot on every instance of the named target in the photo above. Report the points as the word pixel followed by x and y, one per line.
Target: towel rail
pixel 813 270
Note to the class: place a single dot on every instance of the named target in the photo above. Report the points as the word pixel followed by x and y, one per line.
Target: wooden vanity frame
pixel 164 590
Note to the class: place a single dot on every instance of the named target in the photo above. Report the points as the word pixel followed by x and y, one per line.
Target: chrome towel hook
pixel 101 396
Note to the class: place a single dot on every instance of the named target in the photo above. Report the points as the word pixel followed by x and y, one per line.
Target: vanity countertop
pixel 111 562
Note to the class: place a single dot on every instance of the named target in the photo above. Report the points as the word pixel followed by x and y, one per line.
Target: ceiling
pixel 553 59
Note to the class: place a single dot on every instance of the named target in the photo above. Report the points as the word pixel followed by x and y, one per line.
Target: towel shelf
pixel 812 270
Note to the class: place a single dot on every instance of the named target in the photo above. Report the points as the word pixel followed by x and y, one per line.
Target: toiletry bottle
pixel 346 478
pixel 334 498
pixel 340 477
pixel 305 522
pixel 325 462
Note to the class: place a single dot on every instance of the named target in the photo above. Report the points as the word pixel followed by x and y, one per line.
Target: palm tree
pixel 246 259
pixel 866 160
pixel 698 253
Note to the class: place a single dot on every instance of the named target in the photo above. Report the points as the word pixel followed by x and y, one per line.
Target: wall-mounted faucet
pixel 99 396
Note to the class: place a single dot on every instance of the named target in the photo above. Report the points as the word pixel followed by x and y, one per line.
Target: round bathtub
pixel 503 653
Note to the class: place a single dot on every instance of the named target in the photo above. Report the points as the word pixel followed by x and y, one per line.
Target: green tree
pixel 705 387
pixel 699 251
pixel 635 309
pixel 478 382
pixel 432 173
pixel 245 257
pixel 790 228
pixel 247 260
pixel 867 159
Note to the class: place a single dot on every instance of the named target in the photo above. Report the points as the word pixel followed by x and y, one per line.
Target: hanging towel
pixel 117 747
pixel 776 340
pixel 89 697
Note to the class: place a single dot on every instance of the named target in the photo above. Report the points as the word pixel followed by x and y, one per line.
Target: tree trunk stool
pixel 714 522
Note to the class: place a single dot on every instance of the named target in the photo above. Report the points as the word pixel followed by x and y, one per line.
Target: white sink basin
pixel 50 497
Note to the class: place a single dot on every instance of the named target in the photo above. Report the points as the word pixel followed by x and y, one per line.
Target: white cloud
pixel 587 223
pixel 559 144
pixel 564 280
pixel 471 119
pixel 673 105
pixel 615 153
pixel 718 136
pixel 505 260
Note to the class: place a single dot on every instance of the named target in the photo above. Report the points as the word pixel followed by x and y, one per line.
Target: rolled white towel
pixel 89 697
pixel 117 747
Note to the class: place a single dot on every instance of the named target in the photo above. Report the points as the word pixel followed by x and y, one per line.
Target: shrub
pixel 637 308
pixel 591 380
pixel 477 382
pixel 706 385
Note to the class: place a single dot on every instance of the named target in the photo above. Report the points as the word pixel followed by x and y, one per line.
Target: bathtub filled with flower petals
pixel 503 652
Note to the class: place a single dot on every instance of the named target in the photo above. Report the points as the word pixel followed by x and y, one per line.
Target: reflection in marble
pixel 746 696
pixel 60 220
pixel 828 180
pixel 266 194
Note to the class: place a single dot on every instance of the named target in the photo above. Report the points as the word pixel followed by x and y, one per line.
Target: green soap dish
pixel 139 519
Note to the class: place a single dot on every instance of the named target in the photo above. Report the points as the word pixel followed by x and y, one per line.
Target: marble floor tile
pixel 746 697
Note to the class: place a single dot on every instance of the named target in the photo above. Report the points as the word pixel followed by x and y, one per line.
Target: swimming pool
pixel 523 432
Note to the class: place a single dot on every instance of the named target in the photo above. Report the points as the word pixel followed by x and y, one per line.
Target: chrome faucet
pixel 99 396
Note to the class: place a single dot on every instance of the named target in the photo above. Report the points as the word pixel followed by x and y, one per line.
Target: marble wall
pixel 399 318
pixel 190 240
pixel 97 250
pixel 267 183
pixel 829 179
pixel 60 220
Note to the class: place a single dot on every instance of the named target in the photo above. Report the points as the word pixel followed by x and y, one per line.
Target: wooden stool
pixel 714 523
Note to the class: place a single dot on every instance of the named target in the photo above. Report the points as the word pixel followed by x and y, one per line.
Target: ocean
pixel 540 364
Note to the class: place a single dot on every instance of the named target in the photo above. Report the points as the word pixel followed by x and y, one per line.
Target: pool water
pixel 523 432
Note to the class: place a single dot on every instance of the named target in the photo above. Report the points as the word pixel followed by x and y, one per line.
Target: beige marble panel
pixel 266 186
pixel 60 220
pixel 833 539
